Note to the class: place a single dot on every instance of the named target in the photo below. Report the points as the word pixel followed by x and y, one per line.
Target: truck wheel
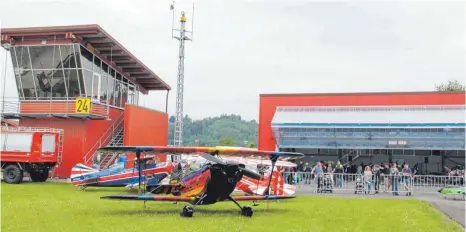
pixel 12 174
pixel 39 176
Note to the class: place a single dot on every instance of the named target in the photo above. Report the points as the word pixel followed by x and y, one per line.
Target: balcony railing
pixel 73 108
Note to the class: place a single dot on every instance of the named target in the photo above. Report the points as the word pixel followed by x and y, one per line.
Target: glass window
pixel 22 57
pixel 28 85
pixel 96 84
pixel 103 89
pixel 74 82
pixel 69 58
pixel 87 82
pixel 117 94
pixel 48 143
pixel 77 56
pixel 86 58
pixel 118 76
pixel 59 89
pixel 112 72
pixel 110 86
pixel 45 57
pixel 105 69
pixel 97 65
pixel 131 94
pixel 21 142
pixel 137 96
pixel 124 94
pixel 43 82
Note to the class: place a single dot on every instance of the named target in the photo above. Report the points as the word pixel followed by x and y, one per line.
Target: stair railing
pixel 105 138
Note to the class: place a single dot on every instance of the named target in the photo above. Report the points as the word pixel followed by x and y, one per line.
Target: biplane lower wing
pixel 189 199
pixel 149 198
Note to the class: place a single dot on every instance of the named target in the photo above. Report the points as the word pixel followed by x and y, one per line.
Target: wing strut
pixel 138 160
pixel 274 159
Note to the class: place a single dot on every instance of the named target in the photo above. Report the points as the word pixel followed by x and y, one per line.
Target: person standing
pixel 339 174
pixel 407 174
pixel 394 179
pixel 318 174
pixel 376 178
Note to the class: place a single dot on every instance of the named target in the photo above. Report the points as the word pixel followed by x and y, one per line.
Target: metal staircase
pixel 106 159
pixel 117 140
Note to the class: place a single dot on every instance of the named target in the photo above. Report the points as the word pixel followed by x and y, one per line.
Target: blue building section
pixel 415 128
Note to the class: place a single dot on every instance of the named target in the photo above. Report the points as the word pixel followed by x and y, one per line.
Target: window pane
pixel 22 57
pixel 96 82
pixel 110 86
pixel 27 83
pixel 77 56
pixel 58 85
pixel 124 93
pixel 112 72
pixel 105 69
pixel 117 96
pixel 103 89
pixel 74 83
pixel 87 82
pixel 13 57
pixel 18 142
pixel 48 143
pixel 43 79
pixel 97 65
pixel 131 96
pixel 118 77
pixel 45 57
pixel 67 53
pixel 86 59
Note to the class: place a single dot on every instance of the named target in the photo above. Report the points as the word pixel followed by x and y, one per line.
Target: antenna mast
pixel 178 139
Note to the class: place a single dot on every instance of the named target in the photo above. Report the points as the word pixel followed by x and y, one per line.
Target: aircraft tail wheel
pixel 187 211
pixel 247 211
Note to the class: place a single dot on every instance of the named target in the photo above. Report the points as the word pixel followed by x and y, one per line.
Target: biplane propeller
pixel 214 182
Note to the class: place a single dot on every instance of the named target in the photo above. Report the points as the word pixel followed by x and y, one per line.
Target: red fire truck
pixel 33 150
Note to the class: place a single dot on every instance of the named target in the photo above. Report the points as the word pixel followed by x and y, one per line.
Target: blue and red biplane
pixel 213 182
pixel 118 175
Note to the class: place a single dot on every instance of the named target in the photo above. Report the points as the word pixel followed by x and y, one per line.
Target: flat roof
pixel 366 116
pixel 101 42
pixel 362 93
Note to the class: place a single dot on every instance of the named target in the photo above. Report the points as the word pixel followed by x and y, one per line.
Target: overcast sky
pixel 244 48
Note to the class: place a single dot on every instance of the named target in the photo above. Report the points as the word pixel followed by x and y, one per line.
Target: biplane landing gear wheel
pixel 187 211
pixel 247 211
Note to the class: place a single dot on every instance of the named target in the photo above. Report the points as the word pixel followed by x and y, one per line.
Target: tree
pixel 252 144
pixel 226 141
pixel 451 86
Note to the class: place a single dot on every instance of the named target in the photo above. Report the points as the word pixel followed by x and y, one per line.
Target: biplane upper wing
pixel 186 150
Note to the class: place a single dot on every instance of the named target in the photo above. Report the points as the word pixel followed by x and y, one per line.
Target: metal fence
pixel 360 184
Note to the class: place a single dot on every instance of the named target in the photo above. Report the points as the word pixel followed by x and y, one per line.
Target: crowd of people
pixel 394 177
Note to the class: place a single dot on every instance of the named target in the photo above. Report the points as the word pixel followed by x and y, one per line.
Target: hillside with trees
pixel 224 130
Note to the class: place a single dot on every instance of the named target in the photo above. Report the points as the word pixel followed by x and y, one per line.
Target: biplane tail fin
pixel 79 172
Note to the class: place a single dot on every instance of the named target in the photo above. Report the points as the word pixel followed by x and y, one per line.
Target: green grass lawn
pixel 59 207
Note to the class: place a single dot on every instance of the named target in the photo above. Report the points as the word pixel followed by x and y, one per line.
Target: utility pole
pixel 178 135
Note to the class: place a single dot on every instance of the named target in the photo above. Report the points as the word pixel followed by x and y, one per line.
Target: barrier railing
pixel 59 107
pixel 361 184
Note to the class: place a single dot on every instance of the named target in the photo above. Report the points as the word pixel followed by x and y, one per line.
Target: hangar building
pixel 423 128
